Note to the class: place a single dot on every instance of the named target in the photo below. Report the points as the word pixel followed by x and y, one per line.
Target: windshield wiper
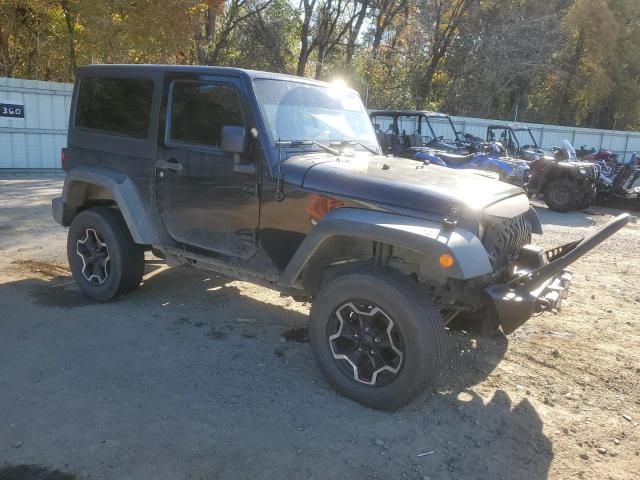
pixel 299 143
pixel 349 143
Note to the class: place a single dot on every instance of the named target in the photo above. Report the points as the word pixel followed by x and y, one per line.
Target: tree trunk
pixel 573 69
pixel 320 62
pixel 68 18
pixel 427 80
pixel 377 40
pixel 5 33
pixel 355 31
pixel 305 46
pixel 303 58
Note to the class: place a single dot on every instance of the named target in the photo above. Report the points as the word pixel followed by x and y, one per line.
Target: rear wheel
pixel 562 195
pixel 376 337
pixel 104 260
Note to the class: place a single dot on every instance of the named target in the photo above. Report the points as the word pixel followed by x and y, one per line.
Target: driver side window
pixel 199 110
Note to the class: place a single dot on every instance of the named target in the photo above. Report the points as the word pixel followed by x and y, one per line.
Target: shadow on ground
pixel 32 472
pixel 573 219
pixel 190 377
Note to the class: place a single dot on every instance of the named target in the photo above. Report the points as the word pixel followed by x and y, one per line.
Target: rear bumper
pixel 541 280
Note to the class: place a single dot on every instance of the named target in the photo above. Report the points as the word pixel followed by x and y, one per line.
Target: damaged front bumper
pixel 540 281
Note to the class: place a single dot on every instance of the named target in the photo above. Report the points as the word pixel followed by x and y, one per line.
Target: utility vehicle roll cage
pixel 508 136
pixel 424 122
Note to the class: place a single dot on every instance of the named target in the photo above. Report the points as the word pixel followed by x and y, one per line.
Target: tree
pixel 447 15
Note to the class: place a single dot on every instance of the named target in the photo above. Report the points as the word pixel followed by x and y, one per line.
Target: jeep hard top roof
pixel 145 69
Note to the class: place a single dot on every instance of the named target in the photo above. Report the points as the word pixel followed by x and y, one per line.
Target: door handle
pixel 172 164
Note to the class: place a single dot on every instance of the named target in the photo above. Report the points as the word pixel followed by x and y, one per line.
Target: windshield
pixel 296 111
pixel 525 138
pixel 443 127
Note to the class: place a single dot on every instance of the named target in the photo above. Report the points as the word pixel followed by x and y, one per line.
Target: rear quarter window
pixel 117 106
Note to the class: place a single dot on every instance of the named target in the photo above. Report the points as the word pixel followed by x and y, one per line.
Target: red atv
pixel 606 159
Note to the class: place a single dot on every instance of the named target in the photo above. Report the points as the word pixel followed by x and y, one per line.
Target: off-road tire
pixel 126 258
pixel 588 199
pixel 418 321
pixel 562 195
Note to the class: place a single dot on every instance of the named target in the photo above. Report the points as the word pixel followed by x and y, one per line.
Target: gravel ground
pixel 191 378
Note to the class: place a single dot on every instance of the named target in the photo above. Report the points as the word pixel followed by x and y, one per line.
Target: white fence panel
pixel 33 140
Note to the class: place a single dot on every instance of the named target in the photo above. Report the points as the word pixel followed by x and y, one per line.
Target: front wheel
pixel 561 195
pixel 103 258
pixel 376 337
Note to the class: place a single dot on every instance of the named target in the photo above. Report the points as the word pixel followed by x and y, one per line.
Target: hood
pixel 401 183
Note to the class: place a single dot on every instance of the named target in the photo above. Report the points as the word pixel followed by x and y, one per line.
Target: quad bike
pixel 565 183
pixel 623 184
pixel 606 159
pixel 492 159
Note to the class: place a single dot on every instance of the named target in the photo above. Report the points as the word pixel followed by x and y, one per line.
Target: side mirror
pixel 234 141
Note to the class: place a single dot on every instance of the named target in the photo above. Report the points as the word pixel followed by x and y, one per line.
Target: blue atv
pixel 432 137
pixel 509 170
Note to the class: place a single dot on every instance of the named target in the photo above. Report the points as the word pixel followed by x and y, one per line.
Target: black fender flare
pixel 122 190
pixel 470 257
pixel 534 220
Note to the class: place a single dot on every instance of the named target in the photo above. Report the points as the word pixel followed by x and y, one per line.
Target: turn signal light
pixel 446 260
pixel 319 206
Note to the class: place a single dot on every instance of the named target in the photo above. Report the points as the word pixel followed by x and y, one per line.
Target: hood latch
pixel 450 221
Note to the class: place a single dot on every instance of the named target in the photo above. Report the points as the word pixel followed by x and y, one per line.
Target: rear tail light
pixel 63 159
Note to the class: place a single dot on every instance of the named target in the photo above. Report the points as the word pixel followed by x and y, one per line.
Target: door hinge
pixel 252 189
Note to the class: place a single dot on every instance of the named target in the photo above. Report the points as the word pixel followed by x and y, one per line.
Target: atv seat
pixel 455 159
pixel 414 140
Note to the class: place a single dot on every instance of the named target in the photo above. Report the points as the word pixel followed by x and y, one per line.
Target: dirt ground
pixel 190 377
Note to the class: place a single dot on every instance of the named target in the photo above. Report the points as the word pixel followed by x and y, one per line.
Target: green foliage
pixel 559 61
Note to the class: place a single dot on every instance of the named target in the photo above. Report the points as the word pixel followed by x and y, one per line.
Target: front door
pixel 202 201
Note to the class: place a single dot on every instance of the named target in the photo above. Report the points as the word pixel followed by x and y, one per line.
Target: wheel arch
pixel 89 185
pixel 348 235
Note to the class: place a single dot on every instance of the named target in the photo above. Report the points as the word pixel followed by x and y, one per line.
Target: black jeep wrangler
pixel 276 179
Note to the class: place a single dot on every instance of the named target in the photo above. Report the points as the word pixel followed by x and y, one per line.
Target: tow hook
pixel 556 291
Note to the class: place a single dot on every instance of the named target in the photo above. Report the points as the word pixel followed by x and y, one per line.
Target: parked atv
pixel 566 183
pixel 623 184
pixel 432 137
pixel 508 170
pixel 606 160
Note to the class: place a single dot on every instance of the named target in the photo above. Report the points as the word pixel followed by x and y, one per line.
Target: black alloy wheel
pixel 365 343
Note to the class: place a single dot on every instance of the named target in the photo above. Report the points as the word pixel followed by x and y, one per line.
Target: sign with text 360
pixel 9 109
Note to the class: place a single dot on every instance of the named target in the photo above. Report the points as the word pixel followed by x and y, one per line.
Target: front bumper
pixel 541 280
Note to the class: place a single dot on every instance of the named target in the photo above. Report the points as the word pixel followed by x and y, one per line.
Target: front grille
pixel 504 238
